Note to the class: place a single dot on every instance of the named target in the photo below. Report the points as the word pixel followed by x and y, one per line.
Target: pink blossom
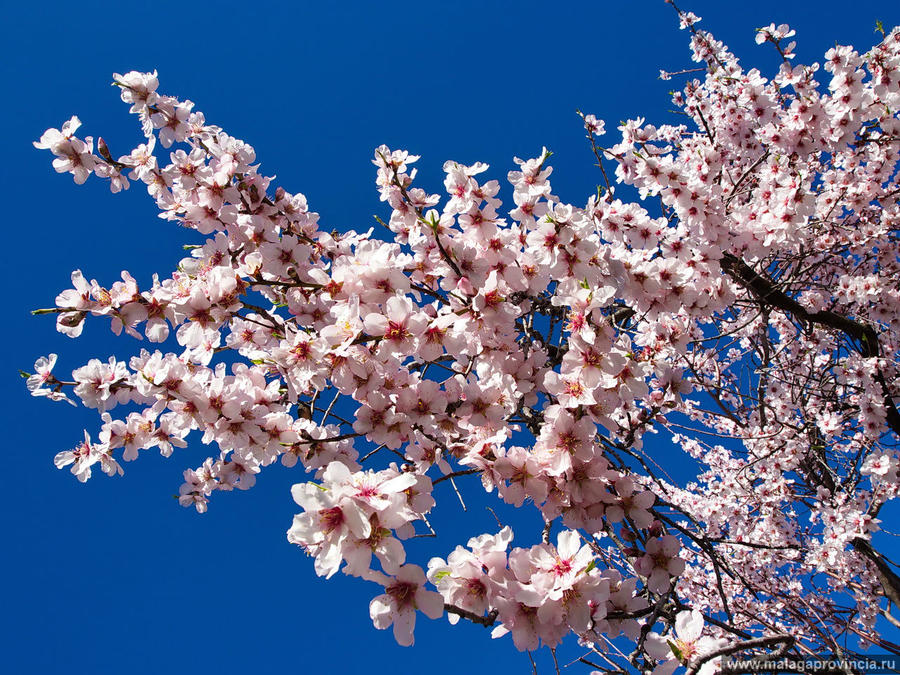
pixel 403 595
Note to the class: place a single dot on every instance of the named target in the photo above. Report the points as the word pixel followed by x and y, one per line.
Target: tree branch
pixel 487 621
pixel 864 334
pixel 753 643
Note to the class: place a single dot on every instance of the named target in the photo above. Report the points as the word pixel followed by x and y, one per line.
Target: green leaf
pixel 676 651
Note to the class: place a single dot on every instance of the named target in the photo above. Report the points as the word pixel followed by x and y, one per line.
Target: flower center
pixel 402 593
pixel 331 519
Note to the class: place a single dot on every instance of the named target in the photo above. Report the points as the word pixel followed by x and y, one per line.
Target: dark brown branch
pixel 487 621
pixel 864 334
pixel 453 475
pixel 890 582
pixel 746 174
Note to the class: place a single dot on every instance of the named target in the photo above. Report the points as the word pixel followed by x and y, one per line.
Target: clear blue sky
pixel 114 576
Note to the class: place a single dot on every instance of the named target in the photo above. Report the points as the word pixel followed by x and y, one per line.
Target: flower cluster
pixel 748 313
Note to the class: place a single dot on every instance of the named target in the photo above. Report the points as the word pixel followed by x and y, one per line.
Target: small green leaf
pixel 676 651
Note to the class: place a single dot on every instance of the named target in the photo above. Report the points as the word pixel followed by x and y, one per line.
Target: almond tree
pixel 731 289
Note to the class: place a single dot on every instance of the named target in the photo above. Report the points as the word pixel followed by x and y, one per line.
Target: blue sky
pixel 114 576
